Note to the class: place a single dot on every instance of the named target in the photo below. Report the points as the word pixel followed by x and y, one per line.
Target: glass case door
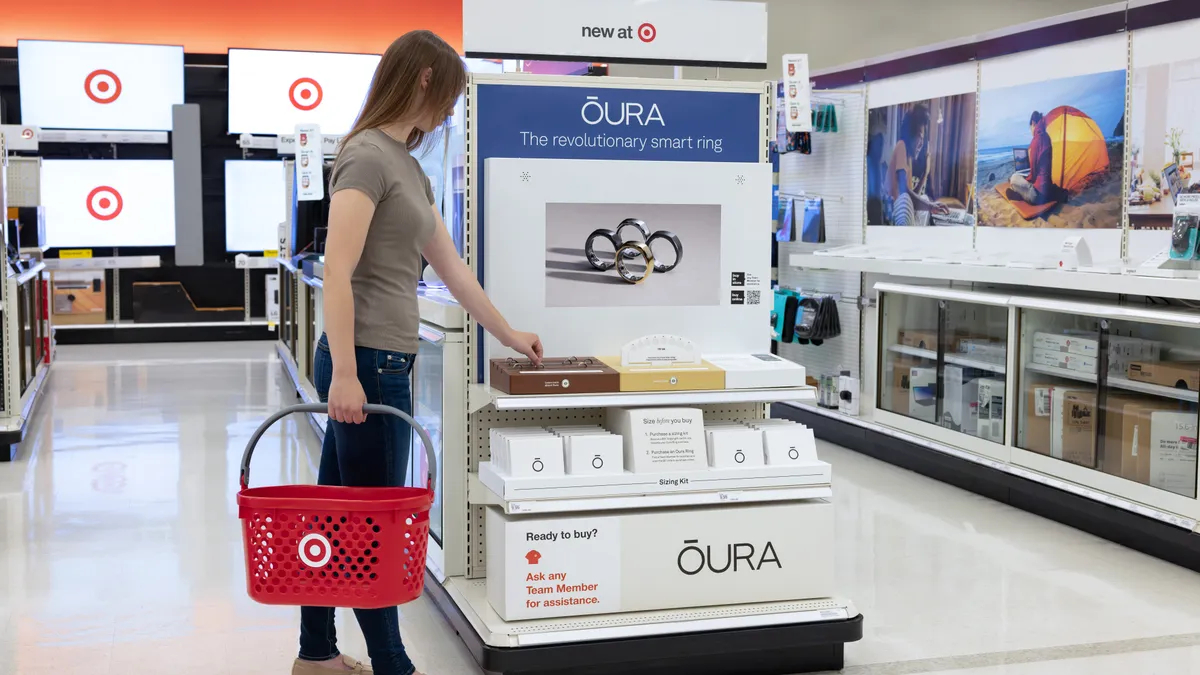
pixel 1114 396
pixel 428 391
pixel 909 356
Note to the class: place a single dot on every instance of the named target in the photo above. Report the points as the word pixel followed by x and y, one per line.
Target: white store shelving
pixel 956 359
pixel 482 395
pixel 1118 382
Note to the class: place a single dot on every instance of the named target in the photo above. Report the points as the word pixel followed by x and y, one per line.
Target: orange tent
pixel 1079 149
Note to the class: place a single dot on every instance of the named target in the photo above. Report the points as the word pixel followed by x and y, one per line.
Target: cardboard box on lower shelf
pixel 576 565
pixel 1173 452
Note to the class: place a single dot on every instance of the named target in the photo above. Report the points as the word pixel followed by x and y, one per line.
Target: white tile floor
pixel 120 549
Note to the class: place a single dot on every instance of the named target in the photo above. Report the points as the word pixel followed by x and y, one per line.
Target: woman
pixel 1037 188
pixel 906 200
pixel 382 220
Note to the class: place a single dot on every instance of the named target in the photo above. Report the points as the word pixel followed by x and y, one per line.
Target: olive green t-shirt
pixel 384 284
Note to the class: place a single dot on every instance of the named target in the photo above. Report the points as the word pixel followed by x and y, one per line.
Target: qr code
pixel 753 297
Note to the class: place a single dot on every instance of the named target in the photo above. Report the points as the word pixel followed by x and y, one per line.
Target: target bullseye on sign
pixel 315 550
pixel 647 32
pixel 305 93
pixel 102 86
pixel 105 203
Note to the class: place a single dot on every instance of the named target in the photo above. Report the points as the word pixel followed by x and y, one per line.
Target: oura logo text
pixel 623 113
pixel 693 560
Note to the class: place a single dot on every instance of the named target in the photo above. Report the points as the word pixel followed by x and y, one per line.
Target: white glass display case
pixel 1083 393
pixel 1111 395
pixel 944 361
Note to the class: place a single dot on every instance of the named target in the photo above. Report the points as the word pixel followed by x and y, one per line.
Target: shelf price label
pixel 75 253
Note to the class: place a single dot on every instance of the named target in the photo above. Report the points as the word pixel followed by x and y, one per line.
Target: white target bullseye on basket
pixel 315 550
pixel 102 86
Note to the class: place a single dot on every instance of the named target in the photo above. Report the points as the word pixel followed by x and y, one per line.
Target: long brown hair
pixel 397 80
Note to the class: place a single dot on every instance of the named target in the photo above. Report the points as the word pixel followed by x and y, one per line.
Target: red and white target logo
pixel 305 93
pixel 647 32
pixel 102 86
pixel 105 203
pixel 315 550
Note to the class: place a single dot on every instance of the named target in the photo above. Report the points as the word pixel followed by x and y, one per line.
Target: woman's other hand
pixel 528 344
pixel 941 209
pixel 346 399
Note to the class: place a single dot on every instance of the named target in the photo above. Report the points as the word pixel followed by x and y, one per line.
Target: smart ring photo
pixel 640 226
pixel 589 249
pixel 638 249
pixel 675 244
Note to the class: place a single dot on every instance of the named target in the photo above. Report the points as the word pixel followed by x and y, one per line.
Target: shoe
pixel 1013 195
pixel 302 667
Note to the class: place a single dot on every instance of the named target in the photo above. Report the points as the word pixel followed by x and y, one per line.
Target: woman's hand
pixel 346 399
pixel 940 208
pixel 528 344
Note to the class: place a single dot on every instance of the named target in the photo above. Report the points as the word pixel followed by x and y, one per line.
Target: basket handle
pixel 369 408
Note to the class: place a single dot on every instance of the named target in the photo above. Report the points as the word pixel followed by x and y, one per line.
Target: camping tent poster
pixel 1084 121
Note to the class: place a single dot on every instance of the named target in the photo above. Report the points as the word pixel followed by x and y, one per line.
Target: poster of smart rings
pixel 594 253
pixel 600 255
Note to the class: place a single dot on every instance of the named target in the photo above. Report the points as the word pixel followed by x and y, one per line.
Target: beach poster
pixel 1051 153
pixel 921 162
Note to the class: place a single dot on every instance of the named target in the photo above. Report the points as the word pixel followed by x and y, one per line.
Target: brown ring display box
pixel 570 375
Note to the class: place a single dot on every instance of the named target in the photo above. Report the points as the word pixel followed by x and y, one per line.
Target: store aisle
pixel 119 543
pixel 120 550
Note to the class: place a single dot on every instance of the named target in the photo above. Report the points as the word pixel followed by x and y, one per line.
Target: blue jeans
pixel 371 454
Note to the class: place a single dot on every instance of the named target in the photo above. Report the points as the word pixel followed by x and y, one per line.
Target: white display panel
pixel 255 204
pixel 541 281
pixel 93 85
pixel 105 203
pixel 270 92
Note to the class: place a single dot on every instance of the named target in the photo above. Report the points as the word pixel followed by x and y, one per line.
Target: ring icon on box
pixel 674 380
pixel 597 462
pixel 538 465
pixel 566 384
pixel 793 454
pixel 739 457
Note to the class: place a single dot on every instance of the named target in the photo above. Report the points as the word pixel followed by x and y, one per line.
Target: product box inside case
pixel 991 410
pixel 627 561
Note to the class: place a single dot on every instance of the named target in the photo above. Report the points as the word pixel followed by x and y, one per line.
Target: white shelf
pixel 120 262
pixel 1117 382
pixel 951 357
pixel 1128 284
pixel 566 494
pixel 482 395
pixel 191 324
pixel 470 595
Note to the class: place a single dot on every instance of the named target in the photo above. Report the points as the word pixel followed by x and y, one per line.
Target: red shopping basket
pixel 330 546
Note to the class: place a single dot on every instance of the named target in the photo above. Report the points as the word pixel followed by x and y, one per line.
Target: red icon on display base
pixel 533 557
pixel 102 86
pixel 105 203
pixel 305 93
pixel 647 32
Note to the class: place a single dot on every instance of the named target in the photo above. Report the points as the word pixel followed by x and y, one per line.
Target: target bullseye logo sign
pixel 102 86
pixel 647 32
pixel 305 93
pixel 315 550
pixel 105 203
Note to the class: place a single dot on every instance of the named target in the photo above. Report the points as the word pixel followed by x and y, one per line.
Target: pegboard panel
pixel 24 181
pixel 481 423
pixel 835 171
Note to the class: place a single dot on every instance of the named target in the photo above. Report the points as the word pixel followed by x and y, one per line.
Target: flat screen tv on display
pixel 255 204
pixel 108 203
pixel 96 85
pixel 270 92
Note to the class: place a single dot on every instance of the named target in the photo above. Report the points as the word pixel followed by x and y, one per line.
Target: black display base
pixel 767 650
pixel 128 334
pixel 8 451
pixel 1137 532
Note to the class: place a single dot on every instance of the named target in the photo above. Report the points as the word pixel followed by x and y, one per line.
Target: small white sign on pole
pixel 798 111
pixel 310 163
